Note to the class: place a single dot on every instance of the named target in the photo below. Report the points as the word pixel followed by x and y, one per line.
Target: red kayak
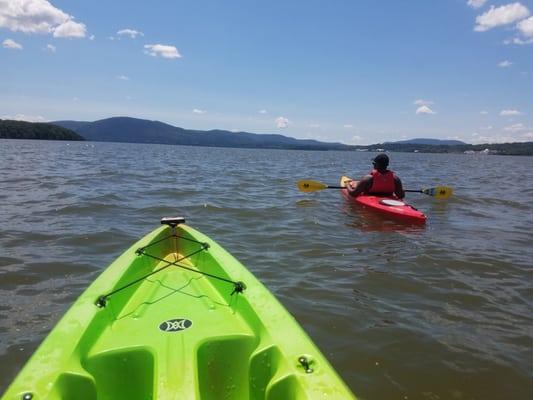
pixel 390 206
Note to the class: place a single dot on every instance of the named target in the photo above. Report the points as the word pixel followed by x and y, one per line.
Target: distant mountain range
pixel 433 142
pixel 134 130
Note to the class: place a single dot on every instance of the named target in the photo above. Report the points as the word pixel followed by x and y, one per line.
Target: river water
pixel 439 312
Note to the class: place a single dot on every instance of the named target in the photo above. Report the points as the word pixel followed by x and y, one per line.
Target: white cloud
pixel 476 3
pixel 505 64
pixel 348 126
pixel 198 111
pixel 527 135
pixel 519 41
pixel 421 102
pixel 132 33
pixel 486 128
pixel 424 110
pixel 282 122
pixel 70 29
pixel 509 113
pixel 526 27
pixel 314 126
pixel 51 48
pixel 38 16
pixel 483 112
pixel 162 50
pixel 11 44
pixel 23 117
pixel 123 77
pixel 515 128
pixel 263 111
pixel 91 37
pixel 498 16
pixel 356 139
pixel 481 139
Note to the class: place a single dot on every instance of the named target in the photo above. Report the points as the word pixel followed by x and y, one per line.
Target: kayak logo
pixel 175 325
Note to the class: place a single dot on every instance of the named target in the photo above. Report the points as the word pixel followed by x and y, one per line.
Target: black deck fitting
pixel 172 221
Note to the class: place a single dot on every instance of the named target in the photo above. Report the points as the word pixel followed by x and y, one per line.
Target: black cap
pixel 381 160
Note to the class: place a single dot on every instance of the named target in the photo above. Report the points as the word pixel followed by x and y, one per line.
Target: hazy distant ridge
pixel 434 142
pixel 134 130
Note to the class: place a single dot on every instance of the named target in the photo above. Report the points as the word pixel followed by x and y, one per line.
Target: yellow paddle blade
pixel 311 186
pixel 439 192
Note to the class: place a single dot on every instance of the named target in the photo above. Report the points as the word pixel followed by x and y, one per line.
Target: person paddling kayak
pixel 380 182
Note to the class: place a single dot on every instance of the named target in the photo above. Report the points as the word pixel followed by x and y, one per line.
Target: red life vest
pixel 382 183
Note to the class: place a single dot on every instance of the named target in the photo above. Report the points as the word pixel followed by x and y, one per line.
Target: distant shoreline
pixel 133 130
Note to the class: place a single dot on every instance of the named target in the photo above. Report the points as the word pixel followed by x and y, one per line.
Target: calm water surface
pixel 441 312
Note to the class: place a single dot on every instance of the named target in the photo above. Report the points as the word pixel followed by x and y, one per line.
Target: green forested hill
pixel 10 129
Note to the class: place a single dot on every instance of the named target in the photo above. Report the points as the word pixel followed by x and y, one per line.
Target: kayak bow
pixel 177 317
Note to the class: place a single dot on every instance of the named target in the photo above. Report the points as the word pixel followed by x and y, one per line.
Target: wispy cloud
pixel 39 16
pixel 161 50
pixel 509 113
pixel 348 126
pixel 198 111
pixel 505 64
pixel 483 112
pixel 132 33
pixel 50 48
pixel 476 3
pixel 24 117
pixel 281 122
pixel 263 111
pixel 515 127
pixel 355 139
pixel 421 102
pixel 519 41
pixel 424 110
pixel 314 126
pixel 499 16
pixel 11 44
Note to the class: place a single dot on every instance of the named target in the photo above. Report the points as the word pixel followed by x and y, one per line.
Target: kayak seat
pixel 269 376
pixel 112 369
pixel 223 367
pixel 72 385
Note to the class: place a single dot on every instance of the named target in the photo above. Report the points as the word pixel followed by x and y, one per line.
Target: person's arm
pixel 362 186
pixel 398 188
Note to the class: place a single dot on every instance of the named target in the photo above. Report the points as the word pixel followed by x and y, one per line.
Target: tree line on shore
pixel 10 129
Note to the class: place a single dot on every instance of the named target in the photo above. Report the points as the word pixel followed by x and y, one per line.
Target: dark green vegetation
pixel 515 149
pixel 134 130
pixel 35 130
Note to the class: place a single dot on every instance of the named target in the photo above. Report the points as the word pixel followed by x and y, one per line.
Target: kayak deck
pixel 397 210
pixel 187 331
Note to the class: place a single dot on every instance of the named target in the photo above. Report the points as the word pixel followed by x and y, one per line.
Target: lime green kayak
pixel 177 317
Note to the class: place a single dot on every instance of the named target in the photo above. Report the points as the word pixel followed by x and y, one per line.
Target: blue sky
pixel 357 72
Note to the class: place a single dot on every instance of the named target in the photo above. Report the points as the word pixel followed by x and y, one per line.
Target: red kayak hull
pixel 404 212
